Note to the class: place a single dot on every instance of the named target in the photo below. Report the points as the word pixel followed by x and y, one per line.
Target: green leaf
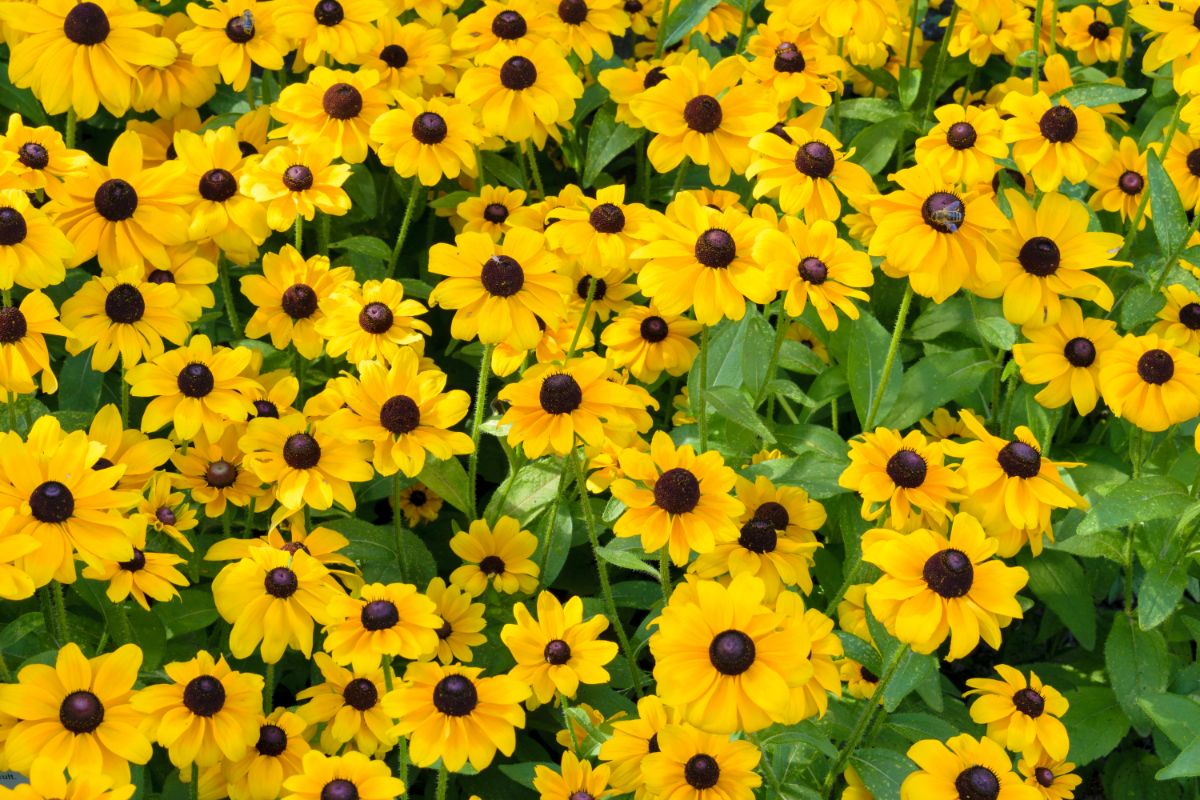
pixel 502 171
pixel 1137 666
pixel 375 549
pixel 194 611
pixel 934 381
pixel 882 771
pixel 870 109
pixel 448 480
pixel 450 200
pixel 559 541
pixel 914 669
pixel 685 16
pixel 1096 723
pixel 365 245
pixel 1167 577
pixel 1175 715
pixel 525 494
pixel 864 368
pixel 1169 218
pixel 731 405
pixel 607 139
pixel 910 85
pixel 790 391
pixel 20 100
pixel 1141 500
pixel 918 726
pixel 1140 306
pixel 1103 544
pixel 998 332
pixel 625 560
pixel 939 318
pixel 1097 94
pixel 860 651
pixel 873 146
pixel 1185 765
pixel 593 97
pixel 1058 581
pixel 78 384
pixel 757 345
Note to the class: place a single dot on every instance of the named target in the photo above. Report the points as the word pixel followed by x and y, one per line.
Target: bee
pixel 948 218
pixel 247 21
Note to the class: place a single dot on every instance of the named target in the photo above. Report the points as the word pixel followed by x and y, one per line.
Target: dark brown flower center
pixel 509 25
pixel 281 582
pixel 455 696
pixel 394 56
pixel 293 547
pixel 585 285
pixel 429 128
pixel 1131 183
pixel 502 276
pixel 417 498
pixel 731 652
pixel 218 185
pixel 677 491
pixel 115 199
pixel 949 573
pixel 779 130
pixel 52 502
pixel 518 73
pixel 195 380
pixel 813 270
pixel 124 304
pixel 220 475
pixel 867 675
pixel 13 325
pixel 298 178
pixel 557 652
pixel 654 76
pixel 943 212
pixel 329 13
pixel 86 24
pixel 33 155
pixel 272 740
pixel 632 6
pixel 376 318
pixel 1098 30
pixel 204 695
pixel 758 536
pixel 495 213
pixel 1019 460
pixel 1193 162
pixel 654 329
pixel 165 515
pixel 492 565
pixel 1189 315
pixel 715 248
pixel 703 114
pixel 1044 777
pixel 581 795
pixel 961 135
pixel 652 744
pixel 379 615
pixel 342 101
pixel 1040 256
pixel 788 58
pixel 1156 366
pixel 560 394
pixel 445 631
pixel 301 451
pixel 159 277
pixel 238 31
pixel 360 694
pixel 701 772
pixel 1080 352
pixel 977 783
pixel 81 712
pixel 607 218
pixel 400 415
pixel 339 789
pixel 299 301
pixel 12 227
pixel 1059 124
pixel 815 159
pixel 573 12
pixel 907 469
pixel 1029 703
pixel 774 513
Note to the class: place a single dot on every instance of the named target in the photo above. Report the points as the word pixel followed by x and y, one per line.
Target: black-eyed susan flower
pixel 1173 32
pixel 810 264
pixel 342 29
pixel 586 28
pixel 158 137
pixel 683 501
pixel 963 766
pixel 600 232
pixel 943 424
pixel 34 253
pixel 168 89
pixel 1022 714
pixel 431 139
pixel 275 757
pixel 559 650
pixel 76 715
pixel 1150 382
pixel 1120 181
pixel 860 681
pixel 384 621
pixel 725 660
pixel 792 63
pixel 456 714
pixel 811 698
pixel 698 113
pixel 1053 779
pixel 123 214
pixel 214 475
pixel 936 587
pixel 609 295
pixel 220 212
pixel 552 347
pixel 1090 33
pixel 410 57
pixel 852 613
pixel 964 144
pixel 500 555
pixel 208 712
pixel 335 107
pixel 490 210
pixel 123 316
pixel 350 775
pixel 323 544
pixel 803 165
pixel 462 621
pixel 498 291
pixel 47 782
pixel 694 764
pixel 144 577
pixel 575 779
pixel 634 739
pixel 627 82
pixel 1054 140
pixel 648 342
pixel 347 705
pixel 702 259
pixel 504 25
pixel 166 510
pixel 1066 357
pixel 274 393
pixel 1179 319
pixel 419 504
pixel 526 94
pixel 104 42
pixel 288 297
pixel 1182 163
pixel 193 271
pixel 936 232
pixel 293 181
pixel 405 413
pixel 194 387
pixel 904 476
pixel 371 321
pixel 42 157
pixel 991 27
pixel 234 36
pixel 24 355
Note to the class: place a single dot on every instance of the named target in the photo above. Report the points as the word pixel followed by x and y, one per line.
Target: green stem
pixel 702 400
pixel 1174 256
pixel 194 785
pixel 47 605
pixel 660 39
pixel 587 308
pixel 741 40
pixel 912 35
pixel 5 675
pixel 1037 41
pixel 10 405
pixel 940 64
pixel 299 235
pixel 589 519
pixel 485 371
pixel 893 346
pixel 562 702
pixel 679 177
pixel 398 524
pixel 443 782
pixel 551 519
pixel 1131 230
pixel 251 99
pixel 69 136
pixel 864 720
pixel 269 690
pixel 121 633
pixel 1125 43
pixel 537 173
pixel 324 223
pixel 227 291
pixel 482 179
pixel 60 610
pixel 402 760
pixel 782 323
pixel 664 573
pixel 414 190
pixel 124 393
pixel 851 578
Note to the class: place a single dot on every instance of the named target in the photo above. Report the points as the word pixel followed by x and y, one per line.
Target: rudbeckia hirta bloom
pixel 122 213
pixel 701 258
pixel 33 252
pixel 145 575
pixel 526 94
pixel 214 475
pixel 792 64
pixel 1054 140
pixel 935 233
pixel 1182 163
pixel 342 29
pixel 275 757
pixel 803 165
pixel 348 707
pixel 165 509
pixel 905 476
pixel 419 504
pixel 499 292
pixel 559 650
pixel 504 25
pixel 42 157
pixel 1066 357
pixel 414 59
pixel 698 113
pixel 293 181
pixel 287 299
pixel 1120 181
pixel 690 763
pixel 586 28
pixel 499 555
pixel 1151 382
pixel 1090 33
pixel 726 661
pixel 964 144
pixel 351 775
pixel 1173 31
pixel 1054 779
pixel 234 36
pixel 194 387
pixel 79 55
pixel 936 587
pixel 455 714
pixel 963 766
pixel 462 621
pixel 431 139
pixel 491 211
pixel 168 90
pixel 385 620
pixel 75 715
pixel 1021 714
pixel 648 342
pixel 46 782
pixel 811 264
pixel 335 107
pixel 1179 319
pixel 599 232
pixel 634 739
pixel 371 321
pixel 24 355
pixel 991 27
pixel 683 502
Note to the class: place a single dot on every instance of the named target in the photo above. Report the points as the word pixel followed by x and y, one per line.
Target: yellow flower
pixel 811 698
pixel 462 621
pixel 42 158
pixel 964 144
pixel 220 212
pixel 371 321
pixel 351 775
pixel 1053 779
pixel 431 139
pixel 1179 320
pixel 46 782
pixel 1066 357
pixel 980 766
pixel 34 254
pixel 1120 182
pixel 575 779
pixel 193 271
pixel 1022 715
pixel 214 475
pixel 145 575
pixel 499 555
pixel 384 621
pixel 633 740
pixel 347 705
pixel 414 59
pixel 559 650
pixel 601 232
pixel 693 764
pixel 648 342
pixel 1052 141
pixel 501 25
pixel 342 29
pixel 335 107
pixel 1090 33
pixel 288 296
pixel 793 64
pixel 489 212
pixel 1151 382
pixel 166 510
pixel 223 39
pixel 322 544
pixel 991 27
pixel 23 351
pixel 419 504
pixel 295 181
pixel 168 89
pixel 586 28
pixel 905 476
pixel 275 757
